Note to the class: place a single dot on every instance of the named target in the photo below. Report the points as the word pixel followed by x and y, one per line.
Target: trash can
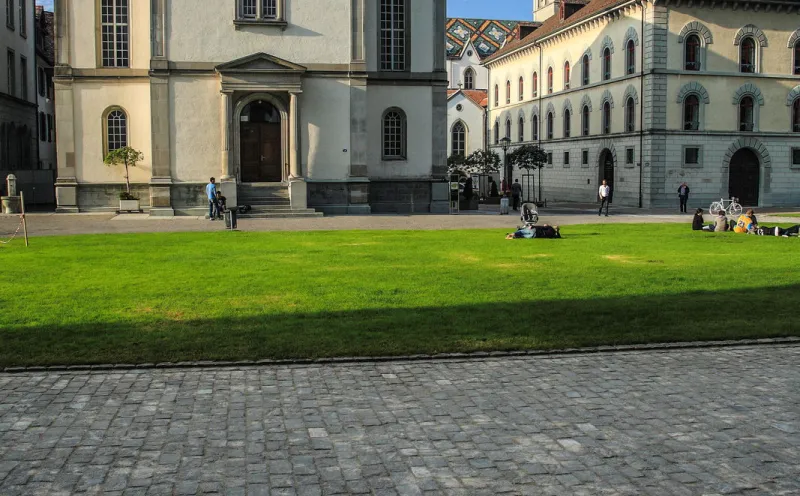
pixel 230 219
pixel 504 205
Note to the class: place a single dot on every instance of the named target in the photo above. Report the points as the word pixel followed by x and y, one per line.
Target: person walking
pixel 683 195
pixel 516 193
pixel 211 194
pixel 605 195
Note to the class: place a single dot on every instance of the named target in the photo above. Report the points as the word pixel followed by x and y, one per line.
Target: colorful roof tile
pixel 487 35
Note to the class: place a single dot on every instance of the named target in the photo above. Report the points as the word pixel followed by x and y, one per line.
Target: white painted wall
pixel 195 122
pixel 417 104
pixel 457 67
pixel 325 128
pixel 91 99
pixel 472 117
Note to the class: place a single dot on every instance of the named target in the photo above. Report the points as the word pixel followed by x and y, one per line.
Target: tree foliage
pixel 483 161
pixel 456 162
pixel 127 156
pixel 528 157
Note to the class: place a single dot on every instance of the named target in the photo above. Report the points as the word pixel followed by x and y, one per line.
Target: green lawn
pixel 795 215
pixel 233 295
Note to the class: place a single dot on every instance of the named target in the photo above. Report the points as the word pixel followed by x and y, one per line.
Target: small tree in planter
pixel 128 157
pixel 483 162
pixel 529 157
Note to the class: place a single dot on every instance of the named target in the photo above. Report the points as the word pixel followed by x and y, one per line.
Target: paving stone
pixel 691 421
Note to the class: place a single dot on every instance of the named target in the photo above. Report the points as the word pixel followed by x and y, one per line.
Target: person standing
pixel 605 195
pixel 493 188
pixel 211 194
pixel 683 195
pixel 516 193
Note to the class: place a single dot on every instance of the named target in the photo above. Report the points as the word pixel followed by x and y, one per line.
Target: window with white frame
pixel 394 134
pixel 115 33
pixel 469 79
pixel 393 35
pixel 255 10
pixel 459 139
pixel 116 130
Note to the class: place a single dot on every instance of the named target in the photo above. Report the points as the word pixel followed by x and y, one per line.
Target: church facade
pixel 649 94
pixel 336 109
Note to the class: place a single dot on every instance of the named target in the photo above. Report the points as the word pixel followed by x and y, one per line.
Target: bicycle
pixel 733 208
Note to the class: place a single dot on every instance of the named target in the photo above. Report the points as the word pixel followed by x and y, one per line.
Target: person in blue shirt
pixel 211 194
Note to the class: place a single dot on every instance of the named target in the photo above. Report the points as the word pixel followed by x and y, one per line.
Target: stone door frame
pixel 279 104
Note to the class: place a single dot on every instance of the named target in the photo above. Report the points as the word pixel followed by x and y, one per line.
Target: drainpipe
pixel 539 117
pixel 641 109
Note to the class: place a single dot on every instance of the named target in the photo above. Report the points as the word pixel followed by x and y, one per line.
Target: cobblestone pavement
pixel 703 421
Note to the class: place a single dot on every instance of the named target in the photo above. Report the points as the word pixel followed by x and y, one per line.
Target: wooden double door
pixel 262 157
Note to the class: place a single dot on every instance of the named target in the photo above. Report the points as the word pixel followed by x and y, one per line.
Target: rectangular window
pixel 566 159
pixel 10 14
pixel 393 35
pixel 42 82
pixel 11 71
pixel 795 158
pixel 114 27
pixel 629 156
pixel 269 9
pixel 691 156
pixel 585 158
pixel 50 128
pixel 249 9
pixel 259 10
pixel 23 76
pixel 23 18
pixel 550 158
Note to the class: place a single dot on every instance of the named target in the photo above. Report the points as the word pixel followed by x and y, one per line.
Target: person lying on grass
pixel 776 231
pixel 530 232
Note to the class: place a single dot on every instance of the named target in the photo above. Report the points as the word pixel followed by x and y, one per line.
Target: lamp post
pixel 504 145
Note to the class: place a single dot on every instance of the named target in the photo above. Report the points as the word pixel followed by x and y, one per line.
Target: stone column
pixel 161 178
pixel 66 182
pixel 226 120
pixel 294 128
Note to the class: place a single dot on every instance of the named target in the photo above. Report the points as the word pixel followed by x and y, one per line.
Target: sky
pixel 513 10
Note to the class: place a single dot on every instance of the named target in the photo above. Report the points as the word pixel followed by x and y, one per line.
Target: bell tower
pixel 544 9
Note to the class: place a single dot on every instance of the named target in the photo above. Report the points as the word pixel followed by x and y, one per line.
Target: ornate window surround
pixel 279 20
pixel 703 99
pixel 752 91
pixel 106 114
pixel 402 130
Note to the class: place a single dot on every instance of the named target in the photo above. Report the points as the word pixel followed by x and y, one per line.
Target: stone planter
pixel 129 206
pixel 11 205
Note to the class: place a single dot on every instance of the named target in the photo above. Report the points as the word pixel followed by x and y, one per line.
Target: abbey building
pixel 336 108
pixel 649 94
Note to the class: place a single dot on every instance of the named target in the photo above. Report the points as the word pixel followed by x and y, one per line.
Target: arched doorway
pixel 607 170
pixel 744 177
pixel 260 143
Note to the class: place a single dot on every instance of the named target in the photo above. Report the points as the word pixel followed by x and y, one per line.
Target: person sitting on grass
pixel 698 223
pixel 530 232
pixel 720 223
pixel 746 222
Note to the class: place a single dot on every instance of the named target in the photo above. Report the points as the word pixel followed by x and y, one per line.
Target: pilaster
pixel 161 180
pixel 66 181
pixel 358 128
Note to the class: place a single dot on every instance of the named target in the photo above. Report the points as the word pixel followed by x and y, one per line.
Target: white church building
pixel 338 109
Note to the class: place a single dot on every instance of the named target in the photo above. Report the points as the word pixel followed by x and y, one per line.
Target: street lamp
pixel 504 144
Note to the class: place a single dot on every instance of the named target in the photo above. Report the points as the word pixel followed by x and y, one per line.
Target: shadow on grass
pixel 712 315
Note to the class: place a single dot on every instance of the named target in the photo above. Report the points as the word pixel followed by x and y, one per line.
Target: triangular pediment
pixel 260 62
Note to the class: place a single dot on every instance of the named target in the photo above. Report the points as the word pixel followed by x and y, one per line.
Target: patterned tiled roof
pixel 487 35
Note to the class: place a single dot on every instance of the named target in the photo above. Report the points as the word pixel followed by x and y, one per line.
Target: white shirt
pixel 604 191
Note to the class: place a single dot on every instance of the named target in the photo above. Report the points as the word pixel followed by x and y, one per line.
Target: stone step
pixel 255 200
pixel 292 214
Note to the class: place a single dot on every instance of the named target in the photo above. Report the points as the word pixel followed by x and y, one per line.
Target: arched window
pixel 606 118
pixel 115 38
pixel 549 80
pixel 521 130
pixel 630 57
pixel 535 85
pixel 535 128
pixel 566 75
pixel 116 130
pixel 567 123
pixel 797 57
pixel 692 53
pixel 394 134
pixel 508 92
pixel 549 125
pixel 607 64
pixel 747 55
pixel 796 116
pixel 630 115
pixel 459 139
pixel 585 70
pixel 521 88
pixel 469 79
pixel 585 120
pixel 746 121
pixel 496 96
pixel 691 113
pixel 508 128
pixel 496 133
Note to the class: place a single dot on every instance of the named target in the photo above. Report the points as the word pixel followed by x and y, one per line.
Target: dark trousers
pixel 683 199
pixel 516 202
pixel 770 231
pixel 603 201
